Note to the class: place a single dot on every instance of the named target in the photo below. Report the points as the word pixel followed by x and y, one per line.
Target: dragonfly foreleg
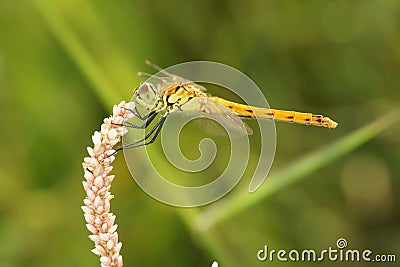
pixel 150 117
pixel 138 115
pixel 142 142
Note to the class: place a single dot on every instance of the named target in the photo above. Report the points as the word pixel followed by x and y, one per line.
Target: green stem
pixel 213 244
pixel 78 52
pixel 230 206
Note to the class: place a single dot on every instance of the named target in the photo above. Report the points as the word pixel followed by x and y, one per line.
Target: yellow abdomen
pixel 276 114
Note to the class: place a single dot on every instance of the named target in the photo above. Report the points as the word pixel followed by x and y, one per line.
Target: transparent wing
pixel 164 82
pixel 219 112
pixel 173 77
pixel 168 79
pixel 231 118
pixel 163 79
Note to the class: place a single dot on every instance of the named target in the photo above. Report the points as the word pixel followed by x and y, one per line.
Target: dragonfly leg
pixel 150 117
pixel 142 142
pixel 138 115
pixel 157 132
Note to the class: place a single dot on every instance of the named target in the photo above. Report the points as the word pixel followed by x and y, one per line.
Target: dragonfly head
pixel 146 96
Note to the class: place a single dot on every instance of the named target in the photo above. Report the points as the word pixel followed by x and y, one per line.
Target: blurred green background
pixel 64 64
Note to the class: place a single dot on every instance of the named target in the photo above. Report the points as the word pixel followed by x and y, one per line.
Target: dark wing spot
pixel 290 117
pixel 249 110
pixel 307 119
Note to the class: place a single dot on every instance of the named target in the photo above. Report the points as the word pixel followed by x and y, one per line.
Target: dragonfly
pixel 176 94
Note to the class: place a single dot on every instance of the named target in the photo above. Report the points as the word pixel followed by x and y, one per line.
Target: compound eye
pixel 143 90
pixel 145 95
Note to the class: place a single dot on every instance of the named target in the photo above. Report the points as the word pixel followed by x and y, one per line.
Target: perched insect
pixel 176 94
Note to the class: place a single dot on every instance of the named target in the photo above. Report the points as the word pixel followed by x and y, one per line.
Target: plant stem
pixel 78 52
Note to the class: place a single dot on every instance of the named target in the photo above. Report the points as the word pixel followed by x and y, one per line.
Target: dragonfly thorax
pixel 178 95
